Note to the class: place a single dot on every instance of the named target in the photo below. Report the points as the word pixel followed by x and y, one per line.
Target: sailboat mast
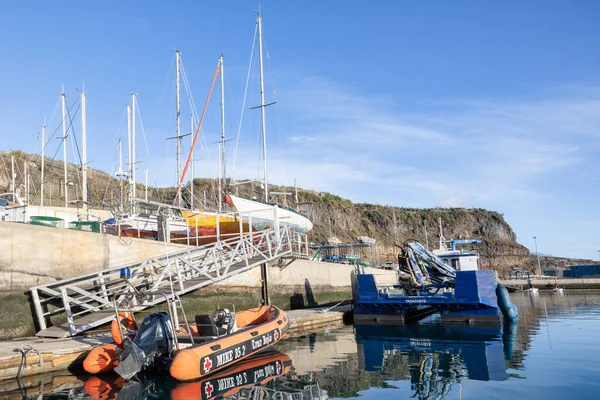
pixel 130 173
pixel 13 184
pixel 84 190
pixel 43 163
pixel 178 113
pixel 296 195
pixel 133 160
pixel 219 185
pixel 192 164
pixel 120 174
pixel 64 129
pixel 223 167
pixel 262 106
pixel 26 175
pixel 146 195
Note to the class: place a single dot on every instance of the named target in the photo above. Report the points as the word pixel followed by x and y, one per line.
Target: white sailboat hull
pixel 150 223
pixel 262 215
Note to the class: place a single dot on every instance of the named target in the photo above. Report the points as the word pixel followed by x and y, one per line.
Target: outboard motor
pixel 225 320
pixel 155 339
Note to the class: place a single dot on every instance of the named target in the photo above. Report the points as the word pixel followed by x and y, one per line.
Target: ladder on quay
pixel 87 300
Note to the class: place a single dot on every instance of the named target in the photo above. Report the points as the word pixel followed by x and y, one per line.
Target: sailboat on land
pixel 205 225
pixel 261 214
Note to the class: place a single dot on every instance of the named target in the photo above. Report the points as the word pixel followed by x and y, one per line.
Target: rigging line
pixel 108 181
pixel 147 147
pixel 52 137
pixel 160 105
pixel 74 140
pixel 115 141
pixel 237 141
pixel 39 155
pixel 192 102
pixel 62 122
pixel 276 94
pixel 198 130
pixel 78 154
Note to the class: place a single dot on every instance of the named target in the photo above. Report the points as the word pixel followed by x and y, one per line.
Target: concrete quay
pixel 570 283
pixel 26 357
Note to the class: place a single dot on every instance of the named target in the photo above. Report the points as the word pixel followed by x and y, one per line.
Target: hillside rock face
pixel 334 216
pixel 331 214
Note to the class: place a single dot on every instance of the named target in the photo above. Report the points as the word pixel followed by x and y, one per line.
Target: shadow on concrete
pixel 297 299
pixel 310 297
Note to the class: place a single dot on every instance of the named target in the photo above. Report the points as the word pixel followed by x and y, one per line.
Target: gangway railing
pixel 86 301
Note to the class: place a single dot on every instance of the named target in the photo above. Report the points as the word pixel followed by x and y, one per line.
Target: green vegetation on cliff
pixel 331 214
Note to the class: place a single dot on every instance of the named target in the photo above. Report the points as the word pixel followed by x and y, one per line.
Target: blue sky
pixel 419 104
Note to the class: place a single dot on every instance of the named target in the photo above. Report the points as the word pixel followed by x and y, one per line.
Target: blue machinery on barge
pixel 428 285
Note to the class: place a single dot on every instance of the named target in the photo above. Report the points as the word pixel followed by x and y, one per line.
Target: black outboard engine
pixel 225 321
pixel 153 343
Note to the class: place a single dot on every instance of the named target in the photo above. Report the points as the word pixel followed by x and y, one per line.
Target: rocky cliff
pixel 331 214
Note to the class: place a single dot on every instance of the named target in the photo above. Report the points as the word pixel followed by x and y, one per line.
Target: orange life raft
pixel 202 348
pixel 103 359
pixel 257 329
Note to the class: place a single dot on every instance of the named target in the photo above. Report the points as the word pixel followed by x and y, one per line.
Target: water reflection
pixel 554 343
pixel 435 357
pixel 251 378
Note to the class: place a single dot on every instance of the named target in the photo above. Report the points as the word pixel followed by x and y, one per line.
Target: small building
pixel 583 271
pixel 366 240
pixel 557 272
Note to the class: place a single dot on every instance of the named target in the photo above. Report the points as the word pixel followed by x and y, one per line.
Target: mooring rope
pixel 330 308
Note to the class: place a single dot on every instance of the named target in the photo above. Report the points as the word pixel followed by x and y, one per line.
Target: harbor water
pixel 551 353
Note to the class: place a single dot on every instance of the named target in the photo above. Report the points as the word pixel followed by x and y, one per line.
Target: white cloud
pixel 589 222
pixel 470 153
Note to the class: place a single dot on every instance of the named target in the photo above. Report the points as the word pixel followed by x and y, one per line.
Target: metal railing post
pixel 67 306
pixel 103 286
pixel 38 309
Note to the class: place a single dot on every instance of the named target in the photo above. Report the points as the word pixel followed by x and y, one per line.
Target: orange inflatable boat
pixel 256 329
pixel 105 358
pixel 191 351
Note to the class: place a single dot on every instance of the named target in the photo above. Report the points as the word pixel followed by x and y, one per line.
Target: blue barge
pixel 429 286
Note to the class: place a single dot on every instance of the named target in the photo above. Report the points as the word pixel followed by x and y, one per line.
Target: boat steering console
pixel 224 319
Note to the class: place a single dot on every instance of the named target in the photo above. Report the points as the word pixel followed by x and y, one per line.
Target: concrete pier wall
pixel 32 255
pixel 300 273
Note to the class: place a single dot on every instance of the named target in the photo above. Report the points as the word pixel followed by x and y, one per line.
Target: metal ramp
pixel 86 301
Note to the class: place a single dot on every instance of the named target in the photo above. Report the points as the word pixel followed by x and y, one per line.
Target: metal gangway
pixel 86 301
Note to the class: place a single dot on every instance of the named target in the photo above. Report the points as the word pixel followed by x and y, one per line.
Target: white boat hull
pixel 262 215
pixel 150 223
